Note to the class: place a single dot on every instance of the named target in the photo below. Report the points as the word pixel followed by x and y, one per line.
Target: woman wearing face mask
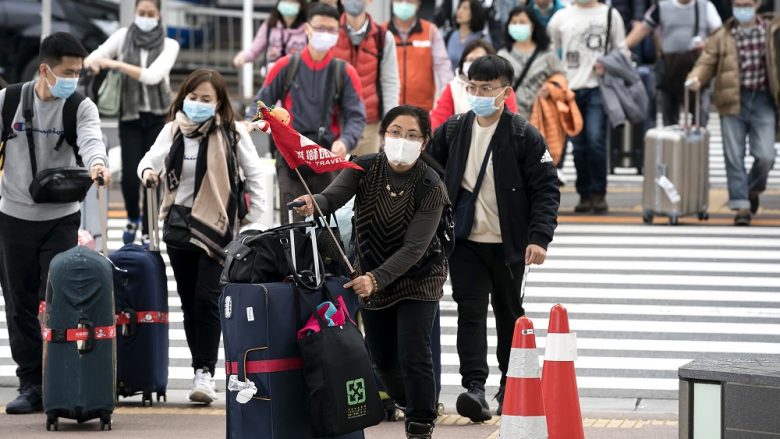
pixel 145 58
pixel 531 56
pixel 454 99
pixel 470 20
pixel 399 201
pixel 282 34
pixel 199 154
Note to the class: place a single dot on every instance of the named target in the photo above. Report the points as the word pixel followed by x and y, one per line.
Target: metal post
pixel 45 18
pixel 247 30
pixel 127 13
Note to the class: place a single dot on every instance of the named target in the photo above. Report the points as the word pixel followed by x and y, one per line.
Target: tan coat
pixel 720 60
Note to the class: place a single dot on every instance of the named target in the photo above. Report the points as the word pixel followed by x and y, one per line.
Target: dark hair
pixel 491 67
pixel 478 15
pixel 408 110
pixel 470 47
pixel 60 44
pixel 538 35
pixel 318 8
pixel 276 16
pixel 225 108
pixel 157 3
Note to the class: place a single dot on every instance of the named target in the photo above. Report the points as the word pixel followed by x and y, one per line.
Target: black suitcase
pixel 79 351
pixel 141 296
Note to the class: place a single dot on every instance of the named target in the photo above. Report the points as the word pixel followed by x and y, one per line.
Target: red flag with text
pixel 298 150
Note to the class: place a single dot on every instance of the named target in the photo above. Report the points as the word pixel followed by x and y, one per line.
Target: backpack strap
pixel 69 123
pixel 380 54
pixel 340 71
pixel 609 29
pixel 13 95
pixel 290 72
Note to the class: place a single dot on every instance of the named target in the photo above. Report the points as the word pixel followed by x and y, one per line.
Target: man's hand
pixel 150 176
pixel 306 210
pixel 100 170
pixel 693 83
pixel 363 286
pixel 339 148
pixel 535 255
pixel 599 68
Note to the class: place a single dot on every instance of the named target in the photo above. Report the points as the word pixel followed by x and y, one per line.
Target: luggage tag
pixel 246 389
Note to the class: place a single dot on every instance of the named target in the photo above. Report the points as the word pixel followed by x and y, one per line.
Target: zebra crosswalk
pixel 642 300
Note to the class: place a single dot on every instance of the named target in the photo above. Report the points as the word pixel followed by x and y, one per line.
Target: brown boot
pixel 584 206
pixel 600 204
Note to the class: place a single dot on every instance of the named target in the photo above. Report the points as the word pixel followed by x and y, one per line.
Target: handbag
pixel 176 229
pixel 343 396
pixel 110 95
pixel 53 185
pixel 465 204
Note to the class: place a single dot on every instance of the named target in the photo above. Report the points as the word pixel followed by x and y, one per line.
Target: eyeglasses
pixel 484 90
pixel 397 134
pixel 327 30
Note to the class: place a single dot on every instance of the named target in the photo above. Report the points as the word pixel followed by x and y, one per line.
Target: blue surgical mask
pixel 199 112
pixel 354 7
pixel 288 9
pixel 63 87
pixel 483 105
pixel 520 32
pixel 404 11
pixel 744 14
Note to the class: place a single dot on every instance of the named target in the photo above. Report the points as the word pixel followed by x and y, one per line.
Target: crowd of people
pixel 471 110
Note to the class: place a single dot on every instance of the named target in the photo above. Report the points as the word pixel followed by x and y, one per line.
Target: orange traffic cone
pixel 523 411
pixel 559 382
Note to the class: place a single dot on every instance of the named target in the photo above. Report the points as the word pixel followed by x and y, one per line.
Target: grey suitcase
pixel 676 171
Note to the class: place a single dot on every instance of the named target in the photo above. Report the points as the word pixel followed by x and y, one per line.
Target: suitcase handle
pixel 87 345
pixel 152 219
pixel 101 194
pixel 687 108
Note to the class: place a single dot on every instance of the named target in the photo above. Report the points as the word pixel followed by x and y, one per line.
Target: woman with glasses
pixel 399 202
pixel 454 99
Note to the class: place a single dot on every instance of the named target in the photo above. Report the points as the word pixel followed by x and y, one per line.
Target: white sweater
pixel 248 162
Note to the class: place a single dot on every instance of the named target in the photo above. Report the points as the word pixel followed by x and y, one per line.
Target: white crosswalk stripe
pixel 643 301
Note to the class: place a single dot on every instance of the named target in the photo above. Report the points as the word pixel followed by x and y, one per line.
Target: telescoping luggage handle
pixel 101 187
pixel 152 207
pixel 313 233
pixel 687 108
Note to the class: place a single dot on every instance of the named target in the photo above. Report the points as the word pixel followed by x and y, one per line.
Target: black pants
pixel 27 248
pixel 197 280
pixel 399 339
pixel 479 273
pixel 290 186
pixel 136 137
pixel 672 103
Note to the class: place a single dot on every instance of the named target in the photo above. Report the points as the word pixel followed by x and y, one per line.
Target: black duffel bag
pixel 266 256
pixel 60 185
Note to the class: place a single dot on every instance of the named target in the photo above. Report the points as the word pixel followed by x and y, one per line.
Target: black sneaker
pixel 600 204
pixel 28 401
pixel 742 218
pixel 472 404
pixel 418 430
pixel 753 197
pixel 500 398
pixel 584 206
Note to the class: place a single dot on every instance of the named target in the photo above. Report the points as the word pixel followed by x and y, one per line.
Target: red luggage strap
pixel 78 334
pixel 123 318
pixel 265 366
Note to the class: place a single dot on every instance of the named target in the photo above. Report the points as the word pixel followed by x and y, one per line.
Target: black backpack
pixel 13 96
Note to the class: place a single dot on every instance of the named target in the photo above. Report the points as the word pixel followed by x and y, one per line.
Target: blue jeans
pixel 590 146
pixel 754 123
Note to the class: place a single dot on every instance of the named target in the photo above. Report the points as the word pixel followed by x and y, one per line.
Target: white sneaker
pixel 562 177
pixel 203 387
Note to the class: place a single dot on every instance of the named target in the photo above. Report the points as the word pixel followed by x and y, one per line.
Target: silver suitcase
pixel 676 171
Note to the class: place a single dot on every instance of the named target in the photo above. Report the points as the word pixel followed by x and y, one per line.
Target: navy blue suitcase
pixel 141 297
pixel 259 326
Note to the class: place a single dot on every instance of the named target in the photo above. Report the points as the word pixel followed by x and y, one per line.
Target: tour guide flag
pixel 298 150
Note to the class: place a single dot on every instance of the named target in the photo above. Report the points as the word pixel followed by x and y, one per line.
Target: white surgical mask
pixel 401 151
pixel 146 24
pixel 323 41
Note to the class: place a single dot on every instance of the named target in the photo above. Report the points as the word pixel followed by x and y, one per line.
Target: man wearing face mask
pixel 743 60
pixel 423 64
pixel 31 233
pixel 504 186
pixel 322 94
pixel 371 50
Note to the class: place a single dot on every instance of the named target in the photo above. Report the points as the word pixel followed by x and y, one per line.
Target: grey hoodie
pixel 47 127
pixel 622 89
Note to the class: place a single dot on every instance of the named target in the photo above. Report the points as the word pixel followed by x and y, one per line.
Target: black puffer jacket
pixel 526 180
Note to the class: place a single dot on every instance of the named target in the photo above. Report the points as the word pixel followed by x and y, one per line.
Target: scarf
pixel 132 92
pixel 214 217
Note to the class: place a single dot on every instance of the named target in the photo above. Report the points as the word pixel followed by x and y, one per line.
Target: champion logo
pixel 19 126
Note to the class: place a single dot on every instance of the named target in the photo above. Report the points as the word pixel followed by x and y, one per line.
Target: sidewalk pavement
pixel 603 419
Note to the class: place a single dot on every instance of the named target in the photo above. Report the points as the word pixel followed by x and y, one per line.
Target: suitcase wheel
pixel 647 217
pixel 105 422
pixel 147 397
pixel 52 423
pixel 704 216
pixel 162 396
pixel 673 220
